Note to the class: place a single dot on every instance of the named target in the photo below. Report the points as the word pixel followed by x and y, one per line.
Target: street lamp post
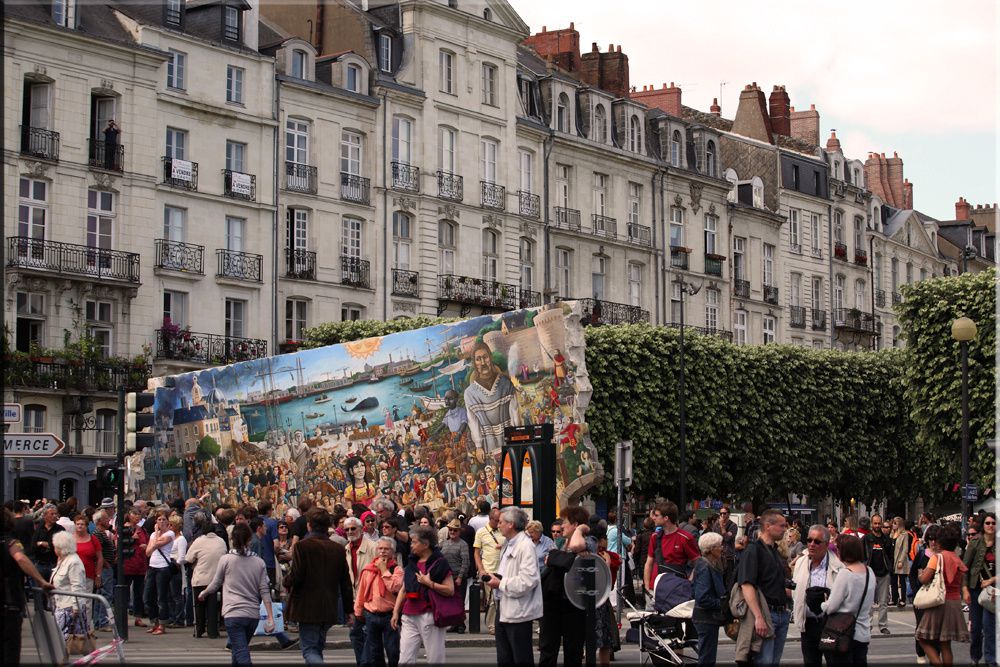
pixel 963 330
pixel 690 290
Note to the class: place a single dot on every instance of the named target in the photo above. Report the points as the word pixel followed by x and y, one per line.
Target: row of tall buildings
pixel 273 166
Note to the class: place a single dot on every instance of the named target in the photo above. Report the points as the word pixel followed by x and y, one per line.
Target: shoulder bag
pixel 838 630
pixel 931 594
pixel 448 611
pixel 172 565
pixel 988 599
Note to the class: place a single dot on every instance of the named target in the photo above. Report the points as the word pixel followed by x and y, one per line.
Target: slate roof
pixel 94 20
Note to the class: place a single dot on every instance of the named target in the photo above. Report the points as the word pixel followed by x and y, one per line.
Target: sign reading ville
pixel 31 445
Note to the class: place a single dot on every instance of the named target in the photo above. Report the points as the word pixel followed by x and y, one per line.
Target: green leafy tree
pixel 208 448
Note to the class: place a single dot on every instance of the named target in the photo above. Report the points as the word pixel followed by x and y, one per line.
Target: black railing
pixel 355 271
pixel 405 283
pixel 239 265
pixel 69 258
pixel 529 298
pixel 798 317
pixel 897 298
pixel 640 235
pixel 707 331
pixel 405 177
pixel 478 292
pixel 205 348
pixel 853 319
pixel 493 196
pixel 880 298
pixel 567 218
pixel 449 186
pixel 679 257
pixel 355 188
pixel 300 177
pixel 180 177
pixel 178 256
pixel 816 252
pixel 818 319
pixel 238 185
pixel 529 205
pixel 840 250
pixel 599 311
pixel 103 155
pixel 39 142
pixel 87 376
pixel 861 257
pixel 741 288
pixel 770 294
pixel 300 264
pixel 713 265
pixel 604 226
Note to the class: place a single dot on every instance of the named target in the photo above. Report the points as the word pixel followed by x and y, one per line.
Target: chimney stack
pixel 607 71
pixel 666 99
pixel 715 109
pixel 561 46
pixel 805 125
pixel 752 119
pixel 962 209
pixel 894 173
pixel 779 111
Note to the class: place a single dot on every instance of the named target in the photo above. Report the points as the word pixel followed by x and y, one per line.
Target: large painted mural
pixel 417 416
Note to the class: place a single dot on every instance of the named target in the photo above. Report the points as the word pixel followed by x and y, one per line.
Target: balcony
pixel 567 218
pixel 178 256
pixel 840 251
pixel 405 177
pixel 853 319
pixel 102 155
pixel 84 375
pixel 880 298
pixel 238 185
pixel 300 178
pixel 706 331
pixel 300 264
pixel 897 298
pixel 741 288
pixel 640 235
pixel 529 205
pixel 354 271
pixel 529 298
pixel 816 252
pixel 604 226
pixel 861 257
pixel 39 143
pixel 713 264
pixel 594 312
pixel 449 186
pixel 798 317
pixel 72 259
pixel 470 291
pixel 771 294
pixel 818 319
pixel 405 283
pixel 355 188
pixel 493 196
pixel 180 174
pixel 243 266
pixel 205 348
pixel 679 257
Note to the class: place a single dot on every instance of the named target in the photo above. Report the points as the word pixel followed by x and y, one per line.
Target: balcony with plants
pixel 176 343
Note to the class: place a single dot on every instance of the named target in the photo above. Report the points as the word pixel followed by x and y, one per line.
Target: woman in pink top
pixel 88 548
pixel 945 623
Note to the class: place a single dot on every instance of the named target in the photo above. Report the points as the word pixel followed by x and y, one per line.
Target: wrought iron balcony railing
pixel 818 319
pixel 599 311
pixel 103 155
pixel 449 186
pixel 405 283
pixel 567 218
pixel 300 264
pixel 39 142
pixel 604 226
pixel 771 294
pixel 861 257
pixel 493 196
pixel 706 331
pixel 640 235
pixel 741 288
pixel 180 173
pixel 86 376
pixel 529 205
pixel 355 188
pixel 471 291
pixel 816 252
pixel 880 298
pixel 713 265
pixel 206 348
pixel 300 178
pixel 840 250
pixel 679 257
pixel 529 298
pixel 897 298
pixel 238 185
pixel 355 271
pixel 853 319
pixel 72 259
pixel 239 265
pixel 798 317
pixel 179 256
pixel 405 177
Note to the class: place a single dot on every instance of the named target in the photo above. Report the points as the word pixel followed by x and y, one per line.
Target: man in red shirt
pixel 670 548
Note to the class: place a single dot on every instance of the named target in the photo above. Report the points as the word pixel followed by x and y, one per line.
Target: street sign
pixel 971 493
pixel 31 445
pixel 11 413
pixel 623 463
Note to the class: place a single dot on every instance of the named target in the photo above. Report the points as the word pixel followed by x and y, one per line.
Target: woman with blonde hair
pixel 70 575
pixel 900 562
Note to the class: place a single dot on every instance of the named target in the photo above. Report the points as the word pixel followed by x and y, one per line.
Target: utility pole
pixel 690 290
pixel 121 588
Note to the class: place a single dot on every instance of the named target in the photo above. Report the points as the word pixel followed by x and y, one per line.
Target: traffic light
pixel 108 478
pixel 138 422
pixel 126 542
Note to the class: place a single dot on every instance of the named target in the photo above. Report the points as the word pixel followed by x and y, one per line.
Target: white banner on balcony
pixel 181 170
pixel 240 184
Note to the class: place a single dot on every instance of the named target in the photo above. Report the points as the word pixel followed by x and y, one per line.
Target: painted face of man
pixel 483 362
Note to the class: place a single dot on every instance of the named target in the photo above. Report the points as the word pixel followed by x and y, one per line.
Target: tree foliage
pixel 208 448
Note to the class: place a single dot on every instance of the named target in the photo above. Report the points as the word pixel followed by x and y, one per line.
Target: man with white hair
pixel 813 573
pixel 517 590
pixel 102 521
pixel 360 552
pixel 373 604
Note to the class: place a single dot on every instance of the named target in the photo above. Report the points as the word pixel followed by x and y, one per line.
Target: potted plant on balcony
pixel 715 256
pixel 39 354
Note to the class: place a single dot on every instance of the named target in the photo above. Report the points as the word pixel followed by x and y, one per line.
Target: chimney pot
pixel 754 84
pixel 544 29
pixel 571 26
pixel 791 109
pixel 611 47
pixel 812 107
pixel 619 48
pixel 594 48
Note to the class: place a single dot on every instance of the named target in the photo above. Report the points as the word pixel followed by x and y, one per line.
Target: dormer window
pixel 385 52
pixel 562 113
pixel 488 14
pixel 836 168
pixel 710 159
pixel 353 78
pixel 675 149
pixel 64 13
pixel 231 26
pixel 633 134
pixel 299 64
pixel 172 12
pixel 600 134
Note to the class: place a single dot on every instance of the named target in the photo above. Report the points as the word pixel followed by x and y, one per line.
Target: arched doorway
pixel 30 488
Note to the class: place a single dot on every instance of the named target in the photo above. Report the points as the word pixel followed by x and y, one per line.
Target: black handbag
pixel 838 630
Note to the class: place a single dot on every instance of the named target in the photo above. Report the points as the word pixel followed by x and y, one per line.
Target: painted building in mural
pixel 416 416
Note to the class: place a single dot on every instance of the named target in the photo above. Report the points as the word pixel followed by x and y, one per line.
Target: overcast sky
pixel 918 77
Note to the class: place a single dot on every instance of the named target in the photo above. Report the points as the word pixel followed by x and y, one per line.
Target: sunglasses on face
pixel 351 529
pixel 813 540
pixel 989 523
pixel 973 533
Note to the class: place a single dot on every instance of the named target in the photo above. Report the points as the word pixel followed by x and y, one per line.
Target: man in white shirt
pixel 813 571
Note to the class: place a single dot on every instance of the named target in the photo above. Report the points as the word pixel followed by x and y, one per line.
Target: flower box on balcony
pixel 680 248
pixel 712 255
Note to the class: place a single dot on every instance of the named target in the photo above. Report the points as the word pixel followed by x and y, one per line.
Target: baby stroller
pixel 667 631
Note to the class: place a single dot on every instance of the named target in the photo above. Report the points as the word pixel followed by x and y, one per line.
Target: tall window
pixel 527 162
pixel 877 271
pixel 757 190
pixel 234 84
pixel 295 318
pixel 491 254
pixel 235 318
pixel 351 238
pixel 793 230
pixel 385 52
pixel 231 27
pixel 32 210
pixel 740 327
pixel 447 245
pixel 299 63
pixel 600 193
pixel 350 153
pixel 100 219
pixel 235 233
pixel 767 265
pixel 401 238
pixel 563 174
pixel 675 149
pixel 634 136
pixel 817 293
pixel 34 419
pixel 402 138
pixel 564 267
pixel 354 78
pixel 176 66
pixel 894 273
pixel 562 113
pixel 175 307
pixel 99 325
pixel 446 71
pixel 176 143
pixel 710 158
pixel 448 148
pixel 64 13
pixel 739 258
pixel 105 431
pixel 526 256
pixel 296 141
pixel 795 299
pixel 489 84
pixel 711 309
pixel 600 124
pixel 859 294
pixel 909 273
pixel 37 105
pixel 768 329
pixel 838 227
pixel 676 227
pixel 634 284
pixel 859 234
pixel 634 203
pixel 30 325
pixel 814 234
pixel 839 285
pixel 598 275
pixel 297 232
pixel 236 156
pixel 711 233
pixel 488 150
pixel 676 304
